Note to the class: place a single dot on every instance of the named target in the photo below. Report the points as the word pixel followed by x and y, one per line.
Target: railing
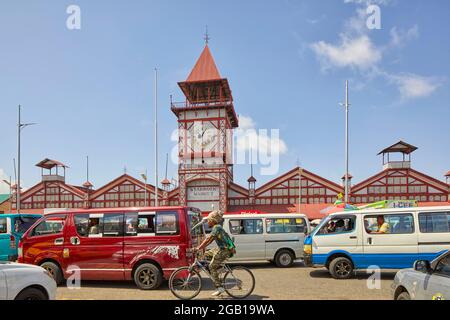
pixel 53 177
pixel 187 104
pixel 397 165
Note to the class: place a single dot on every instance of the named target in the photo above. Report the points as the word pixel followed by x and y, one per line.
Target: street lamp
pixel 144 177
pixel 346 105
pixel 20 126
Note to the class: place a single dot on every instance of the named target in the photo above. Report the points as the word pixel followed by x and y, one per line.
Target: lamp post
pixel 20 126
pixel 144 177
pixel 346 105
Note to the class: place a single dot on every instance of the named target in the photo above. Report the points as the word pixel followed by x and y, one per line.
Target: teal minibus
pixel 12 227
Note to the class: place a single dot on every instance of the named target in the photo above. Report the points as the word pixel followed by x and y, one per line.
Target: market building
pixel 206 120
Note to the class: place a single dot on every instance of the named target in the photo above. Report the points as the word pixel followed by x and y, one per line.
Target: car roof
pixel 115 210
pixel 392 210
pixel 13 215
pixel 266 215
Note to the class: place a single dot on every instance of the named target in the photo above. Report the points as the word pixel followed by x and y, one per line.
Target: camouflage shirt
pixel 222 238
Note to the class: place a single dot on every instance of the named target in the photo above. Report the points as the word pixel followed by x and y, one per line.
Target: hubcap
pixel 147 277
pixel 343 268
pixel 285 259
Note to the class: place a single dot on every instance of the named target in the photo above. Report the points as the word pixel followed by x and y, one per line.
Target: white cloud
pixel 358 53
pixel 400 37
pixel 263 140
pixel 415 86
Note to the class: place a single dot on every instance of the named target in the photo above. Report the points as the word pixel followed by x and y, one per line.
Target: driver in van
pixel 382 225
pixel 217 256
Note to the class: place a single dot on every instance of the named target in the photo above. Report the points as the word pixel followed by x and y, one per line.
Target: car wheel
pixel 54 270
pixel 148 276
pixel 341 268
pixel 404 296
pixel 284 259
pixel 31 294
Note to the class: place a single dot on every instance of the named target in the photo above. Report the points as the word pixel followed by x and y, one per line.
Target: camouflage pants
pixel 217 257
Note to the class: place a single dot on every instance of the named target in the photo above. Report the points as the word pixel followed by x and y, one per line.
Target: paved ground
pixel 294 283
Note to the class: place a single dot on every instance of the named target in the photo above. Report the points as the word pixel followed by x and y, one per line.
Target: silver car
pixel 426 281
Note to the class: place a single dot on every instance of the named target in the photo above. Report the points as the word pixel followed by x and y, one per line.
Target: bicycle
pixel 189 281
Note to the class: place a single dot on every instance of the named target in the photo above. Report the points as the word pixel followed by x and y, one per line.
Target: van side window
pixel 166 223
pixel 146 223
pixel 389 224
pixel 246 226
pixel 285 225
pixel 99 225
pixel 434 222
pixel 51 225
pixel 3 225
pixel 338 224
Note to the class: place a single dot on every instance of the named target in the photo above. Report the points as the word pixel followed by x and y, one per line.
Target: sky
pixel 91 89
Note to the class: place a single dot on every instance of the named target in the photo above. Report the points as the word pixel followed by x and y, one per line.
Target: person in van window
pixel 340 226
pixel 93 226
pixel 331 228
pixel 217 256
pixel 382 226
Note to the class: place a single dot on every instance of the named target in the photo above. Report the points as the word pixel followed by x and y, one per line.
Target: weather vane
pixel 207 38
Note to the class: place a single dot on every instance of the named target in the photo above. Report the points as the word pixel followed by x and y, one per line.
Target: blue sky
pixel 91 92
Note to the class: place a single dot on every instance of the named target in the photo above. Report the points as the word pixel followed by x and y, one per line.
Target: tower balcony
pixel 397 165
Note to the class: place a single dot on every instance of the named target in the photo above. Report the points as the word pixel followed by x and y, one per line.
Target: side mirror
pixel 422 266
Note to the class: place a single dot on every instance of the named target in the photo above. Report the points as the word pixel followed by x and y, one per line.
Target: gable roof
pixel 306 174
pixel 205 69
pixel 401 147
pixel 119 181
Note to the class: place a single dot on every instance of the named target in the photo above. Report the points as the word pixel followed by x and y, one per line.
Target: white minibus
pixel 378 238
pixel 272 237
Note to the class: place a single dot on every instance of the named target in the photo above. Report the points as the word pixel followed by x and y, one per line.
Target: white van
pixel 267 237
pixel 351 240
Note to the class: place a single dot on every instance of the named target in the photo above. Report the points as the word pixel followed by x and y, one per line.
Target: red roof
pixel 205 69
pixel 447 174
pixel 50 164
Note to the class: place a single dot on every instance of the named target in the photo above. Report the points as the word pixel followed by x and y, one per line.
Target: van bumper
pixel 307 258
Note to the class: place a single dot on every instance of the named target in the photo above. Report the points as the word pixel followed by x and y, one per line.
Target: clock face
pixel 204 136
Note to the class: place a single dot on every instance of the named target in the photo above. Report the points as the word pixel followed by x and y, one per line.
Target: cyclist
pixel 217 256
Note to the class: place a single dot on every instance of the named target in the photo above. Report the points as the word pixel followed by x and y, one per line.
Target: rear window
pixel 286 225
pixel 22 224
pixel 434 222
pixel 151 223
pixel 3 228
pixel 49 226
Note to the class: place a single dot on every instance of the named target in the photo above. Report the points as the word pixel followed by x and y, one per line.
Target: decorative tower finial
pixel 207 38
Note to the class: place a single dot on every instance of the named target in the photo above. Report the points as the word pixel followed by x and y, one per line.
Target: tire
pixel 341 268
pixel 284 259
pixel 235 280
pixel 177 283
pixel 148 277
pixel 54 270
pixel 404 296
pixel 31 294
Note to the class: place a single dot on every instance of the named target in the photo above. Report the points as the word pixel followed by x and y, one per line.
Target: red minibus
pixel 141 244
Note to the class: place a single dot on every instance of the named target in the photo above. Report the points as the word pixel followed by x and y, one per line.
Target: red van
pixel 145 245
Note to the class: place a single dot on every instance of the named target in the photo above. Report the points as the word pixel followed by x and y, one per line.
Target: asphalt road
pixel 296 283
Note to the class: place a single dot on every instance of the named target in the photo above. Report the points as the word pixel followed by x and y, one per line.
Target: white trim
pixel 96 215
pixel 149 213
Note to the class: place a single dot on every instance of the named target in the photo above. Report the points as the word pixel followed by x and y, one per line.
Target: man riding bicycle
pixel 217 256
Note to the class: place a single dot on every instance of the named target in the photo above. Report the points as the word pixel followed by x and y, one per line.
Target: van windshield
pixel 22 224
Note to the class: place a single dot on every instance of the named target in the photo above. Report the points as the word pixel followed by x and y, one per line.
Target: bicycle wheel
pixel 239 283
pixel 185 284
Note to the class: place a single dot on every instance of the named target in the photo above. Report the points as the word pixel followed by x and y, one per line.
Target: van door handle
pixel 369 240
pixel 353 237
pixel 59 241
pixel 75 241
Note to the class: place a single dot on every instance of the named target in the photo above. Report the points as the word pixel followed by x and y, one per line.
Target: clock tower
pixel 205 122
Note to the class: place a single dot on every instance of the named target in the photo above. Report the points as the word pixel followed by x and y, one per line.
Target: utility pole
pixel 346 105
pixel 156 137
pixel 20 126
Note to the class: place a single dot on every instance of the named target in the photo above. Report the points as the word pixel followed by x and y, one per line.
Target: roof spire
pixel 206 38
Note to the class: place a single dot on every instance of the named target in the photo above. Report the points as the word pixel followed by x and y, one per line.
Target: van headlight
pixel 307 249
